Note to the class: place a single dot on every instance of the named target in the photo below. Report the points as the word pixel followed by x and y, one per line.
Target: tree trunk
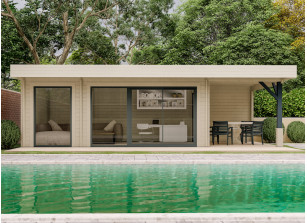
pixel 67 46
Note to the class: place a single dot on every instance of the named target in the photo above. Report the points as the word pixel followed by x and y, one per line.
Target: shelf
pixel 156 103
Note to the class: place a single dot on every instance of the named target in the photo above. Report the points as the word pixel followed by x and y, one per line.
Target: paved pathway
pixel 217 148
pixel 152 158
pixel 296 145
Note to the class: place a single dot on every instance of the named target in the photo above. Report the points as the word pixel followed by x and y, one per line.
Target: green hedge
pixel 10 134
pixel 293 103
pixel 296 132
pixel 269 129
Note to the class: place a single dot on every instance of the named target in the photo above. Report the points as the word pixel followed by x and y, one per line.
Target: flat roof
pixel 157 71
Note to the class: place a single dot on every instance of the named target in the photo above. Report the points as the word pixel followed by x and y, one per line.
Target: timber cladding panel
pixel 230 103
pixel 11 106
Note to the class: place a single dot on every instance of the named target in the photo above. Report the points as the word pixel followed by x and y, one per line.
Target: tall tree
pixel 290 18
pixel 13 51
pixel 41 16
pixel 205 22
pixel 131 26
pixel 254 45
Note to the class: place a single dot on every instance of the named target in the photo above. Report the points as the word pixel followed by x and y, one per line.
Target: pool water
pixel 152 188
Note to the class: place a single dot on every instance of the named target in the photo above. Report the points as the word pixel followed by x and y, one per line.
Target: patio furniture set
pixel 248 129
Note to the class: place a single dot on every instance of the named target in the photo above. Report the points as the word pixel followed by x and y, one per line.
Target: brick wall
pixel 11 105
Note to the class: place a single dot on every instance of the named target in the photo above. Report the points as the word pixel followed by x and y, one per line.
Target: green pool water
pixel 152 188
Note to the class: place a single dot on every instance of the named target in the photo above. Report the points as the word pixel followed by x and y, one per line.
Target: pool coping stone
pixel 157 218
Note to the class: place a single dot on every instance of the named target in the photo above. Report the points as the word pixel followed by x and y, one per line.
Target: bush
pixel 269 129
pixel 10 134
pixel 293 103
pixel 296 131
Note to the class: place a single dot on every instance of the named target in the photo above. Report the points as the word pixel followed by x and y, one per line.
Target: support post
pixel 278 96
pixel 279 129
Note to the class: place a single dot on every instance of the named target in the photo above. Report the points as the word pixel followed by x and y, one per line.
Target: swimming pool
pixel 152 188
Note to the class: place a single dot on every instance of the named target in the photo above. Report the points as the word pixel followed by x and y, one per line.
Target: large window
pixel 52 116
pixel 109 116
pixel 163 116
pixel 143 116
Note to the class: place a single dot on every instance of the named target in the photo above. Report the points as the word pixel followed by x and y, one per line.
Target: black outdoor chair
pixel 245 128
pixel 256 129
pixel 221 128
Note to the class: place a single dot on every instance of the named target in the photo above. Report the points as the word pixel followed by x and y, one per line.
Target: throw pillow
pixel 110 126
pixel 54 126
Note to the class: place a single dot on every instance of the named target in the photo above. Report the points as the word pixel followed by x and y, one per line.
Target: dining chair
pixel 256 129
pixel 244 129
pixel 221 128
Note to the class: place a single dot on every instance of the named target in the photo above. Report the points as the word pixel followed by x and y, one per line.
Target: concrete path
pixel 296 145
pixel 296 158
pixel 217 148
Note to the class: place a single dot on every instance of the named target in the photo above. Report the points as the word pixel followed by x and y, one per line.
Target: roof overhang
pixel 259 72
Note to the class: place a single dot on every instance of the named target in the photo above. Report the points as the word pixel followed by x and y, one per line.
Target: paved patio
pixel 216 148
pixel 295 158
pixel 296 145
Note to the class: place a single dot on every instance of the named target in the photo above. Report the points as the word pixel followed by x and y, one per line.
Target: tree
pixel 37 16
pixel 131 26
pixel 290 19
pixel 254 45
pixel 13 51
pixel 205 22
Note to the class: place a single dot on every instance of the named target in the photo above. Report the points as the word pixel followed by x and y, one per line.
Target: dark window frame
pixel 70 88
pixel 129 118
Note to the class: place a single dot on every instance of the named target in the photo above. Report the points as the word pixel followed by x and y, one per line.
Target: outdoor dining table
pixel 237 130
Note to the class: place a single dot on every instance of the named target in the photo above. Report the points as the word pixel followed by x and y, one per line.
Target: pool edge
pixel 156 217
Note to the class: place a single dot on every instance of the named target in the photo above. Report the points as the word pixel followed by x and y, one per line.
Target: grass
pixel 136 152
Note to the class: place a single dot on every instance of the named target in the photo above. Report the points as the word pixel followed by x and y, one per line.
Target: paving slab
pixel 158 218
pixel 295 158
pixel 296 145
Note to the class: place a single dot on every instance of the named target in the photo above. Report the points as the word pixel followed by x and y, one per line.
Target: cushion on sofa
pixel 54 126
pixel 43 127
pixel 110 126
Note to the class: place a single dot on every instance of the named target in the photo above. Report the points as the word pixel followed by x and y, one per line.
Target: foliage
pixel 290 18
pixel 296 132
pixel 254 45
pixel 10 134
pixel 293 103
pixel 269 129
pixel 203 23
pixel 93 48
pixel 13 51
pixel 148 55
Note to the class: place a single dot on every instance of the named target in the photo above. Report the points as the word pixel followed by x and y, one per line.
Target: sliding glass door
pixel 109 116
pixel 143 116
pixel 163 116
pixel 52 116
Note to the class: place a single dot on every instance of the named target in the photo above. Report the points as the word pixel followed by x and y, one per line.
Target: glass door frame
pixel 34 104
pixel 161 144
pixel 129 118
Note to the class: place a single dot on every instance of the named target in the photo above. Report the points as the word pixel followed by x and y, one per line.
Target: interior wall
pixel 42 106
pixel 230 103
pixel 60 105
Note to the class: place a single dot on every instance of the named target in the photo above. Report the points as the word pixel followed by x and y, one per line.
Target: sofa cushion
pixel 54 126
pixel 110 126
pixel 43 127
